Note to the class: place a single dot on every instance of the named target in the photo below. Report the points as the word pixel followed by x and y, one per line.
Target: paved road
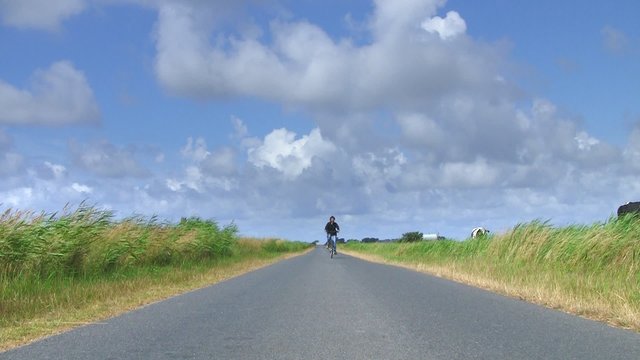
pixel 312 307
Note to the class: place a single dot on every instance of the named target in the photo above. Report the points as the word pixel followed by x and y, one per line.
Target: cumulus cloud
pixel 57 170
pixel 421 130
pixel 392 19
pixel 51 171
pixel 240 128
pixel 39 14
pixel 195 150
pixel 205 170
pixel 107 160
pixel 219 163
pixel 386 164
pixel 83 189
pixel 450 100
pixel 418 114
pixel 303 66
pixel 54 194
pixel 284 174
pixel 448 27
pixel 59 95
pixel 283 152
pixel 476 174
pixel 19 197
pixel 419 125
pixel 550 135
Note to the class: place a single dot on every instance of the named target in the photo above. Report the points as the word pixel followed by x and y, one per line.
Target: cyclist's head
pixel 332 218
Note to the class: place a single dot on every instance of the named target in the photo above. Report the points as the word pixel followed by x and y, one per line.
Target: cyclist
pixel 332 229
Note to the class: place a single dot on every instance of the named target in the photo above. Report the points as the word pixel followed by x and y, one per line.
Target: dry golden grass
pixel 251 244
pixel 539 288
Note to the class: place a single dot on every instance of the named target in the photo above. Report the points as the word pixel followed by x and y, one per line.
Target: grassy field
pixel 58 271
pixel 592 271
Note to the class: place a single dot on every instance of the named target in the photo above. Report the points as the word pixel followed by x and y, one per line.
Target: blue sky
pixel 412 115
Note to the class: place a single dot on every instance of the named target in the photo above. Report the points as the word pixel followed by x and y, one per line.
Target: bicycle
pixel 332 245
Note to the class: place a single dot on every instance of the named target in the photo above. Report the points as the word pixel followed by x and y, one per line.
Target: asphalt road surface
pixel 314 307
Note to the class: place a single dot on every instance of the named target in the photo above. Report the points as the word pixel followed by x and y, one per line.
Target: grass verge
pixel 590 271
pixel 61 271
pixel 55 305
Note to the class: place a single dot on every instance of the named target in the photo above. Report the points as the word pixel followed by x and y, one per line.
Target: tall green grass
pixel 591 270
pixel 82 263
pixel 88 241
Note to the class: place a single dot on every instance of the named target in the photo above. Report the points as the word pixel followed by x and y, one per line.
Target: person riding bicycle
pixel 332 229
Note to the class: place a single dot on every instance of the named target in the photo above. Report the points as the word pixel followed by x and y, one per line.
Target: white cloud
pixel 585 142
pixel 304 67
pixel 83 189
pixel 195 150
pixel 220 163
pixel 39 14
pixel 173 184
pixel 404 120
pixel 543 109
pixel 387 164
pixel 413 131
pixel 241 134
pixel 194 178
pixel 240 128
pixel 57 171
pixel 59 95
pixel 448 27
pixel 392 19
pixel 204 184
pixel 281 151
pixel 205 170
pixel 476 174
pixel 420 129
pixel 18 198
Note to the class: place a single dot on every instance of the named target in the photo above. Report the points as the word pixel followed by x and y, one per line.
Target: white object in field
pixel 430 237
pixel 479 231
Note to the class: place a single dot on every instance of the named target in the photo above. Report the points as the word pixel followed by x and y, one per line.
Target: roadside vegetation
pixel 592 271
pixel 58 271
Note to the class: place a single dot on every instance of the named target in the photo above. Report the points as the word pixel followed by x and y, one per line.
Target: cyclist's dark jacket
pixel 332 229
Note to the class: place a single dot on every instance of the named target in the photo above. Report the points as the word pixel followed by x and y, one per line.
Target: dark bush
pixel 411 237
